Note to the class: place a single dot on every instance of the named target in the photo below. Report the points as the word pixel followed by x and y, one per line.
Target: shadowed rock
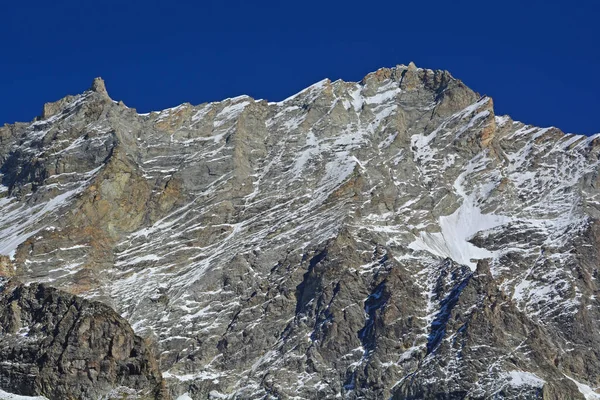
pixel 64 347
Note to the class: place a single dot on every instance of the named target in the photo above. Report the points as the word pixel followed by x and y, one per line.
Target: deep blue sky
pixel 539 60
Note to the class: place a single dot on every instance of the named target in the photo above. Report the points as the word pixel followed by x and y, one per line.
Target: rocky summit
pixel 387 239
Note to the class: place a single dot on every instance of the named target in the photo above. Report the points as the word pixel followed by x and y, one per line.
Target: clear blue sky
pixel 539 60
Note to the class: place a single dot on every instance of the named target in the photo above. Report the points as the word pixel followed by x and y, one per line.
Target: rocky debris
pixel 64 347
pixel 391 238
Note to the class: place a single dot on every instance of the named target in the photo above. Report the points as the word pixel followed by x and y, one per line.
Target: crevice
pixel 373 306
pixel 438 326
pixel 306 290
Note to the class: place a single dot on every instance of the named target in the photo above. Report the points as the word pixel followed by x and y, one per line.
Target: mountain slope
pixel 388 238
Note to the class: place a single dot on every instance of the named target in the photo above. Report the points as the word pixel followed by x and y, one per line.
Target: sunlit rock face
pixel 391 238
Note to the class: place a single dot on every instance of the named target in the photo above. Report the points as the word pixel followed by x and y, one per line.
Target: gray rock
pixel 64 347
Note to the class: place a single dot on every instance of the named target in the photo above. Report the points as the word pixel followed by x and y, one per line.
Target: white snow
pixel 10 396
pixel 422 150
pixel 201 113
pixel 387 141
pixel 382 96
pixel 459 227
pixel 357 100
pixel 213 394
pixel 78 246
pixel 471 124
pixel 424 154
pixel 230 112
pixel 16 222
pixel 501 120
pixel 587 392
pixel 279 212
pixel 311 149
pixel 137 260
pixel 523 378
pixel 204 375
pixel 311 91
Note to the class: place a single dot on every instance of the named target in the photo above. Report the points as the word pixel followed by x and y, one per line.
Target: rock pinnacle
pixel 98 86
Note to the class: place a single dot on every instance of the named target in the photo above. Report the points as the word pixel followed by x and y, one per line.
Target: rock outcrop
pixel 64 347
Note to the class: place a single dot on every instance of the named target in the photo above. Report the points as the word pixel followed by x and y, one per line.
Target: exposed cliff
pixel 64 347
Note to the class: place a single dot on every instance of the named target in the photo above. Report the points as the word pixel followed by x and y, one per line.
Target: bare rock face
pixel 64 347
pixel 99 86
pixel 391 238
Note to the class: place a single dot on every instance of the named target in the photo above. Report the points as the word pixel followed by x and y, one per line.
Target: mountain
pixel 391 238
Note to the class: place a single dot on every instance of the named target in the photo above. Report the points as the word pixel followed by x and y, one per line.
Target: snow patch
pixel 523 378
pixel 459 227
pixel 10 396
pixel 585 390
pixel 312 90
pixel 502 120
pixel 137 260
pixel 230 112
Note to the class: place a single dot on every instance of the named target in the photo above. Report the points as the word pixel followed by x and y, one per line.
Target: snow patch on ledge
pixel 459 227
pixel 456 230
pixel 10 396
pixel 523 378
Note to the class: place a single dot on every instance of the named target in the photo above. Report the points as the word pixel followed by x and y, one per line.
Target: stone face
pixel 64 347
pixel 392 238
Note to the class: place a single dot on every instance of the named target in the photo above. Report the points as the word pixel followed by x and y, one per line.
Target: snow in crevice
pixel 201 113
pixel 420 144
pixel 230 112
pixel 311 149
pixel 387 142
pixel 481 115
pixel 425 155
pixel 384 94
